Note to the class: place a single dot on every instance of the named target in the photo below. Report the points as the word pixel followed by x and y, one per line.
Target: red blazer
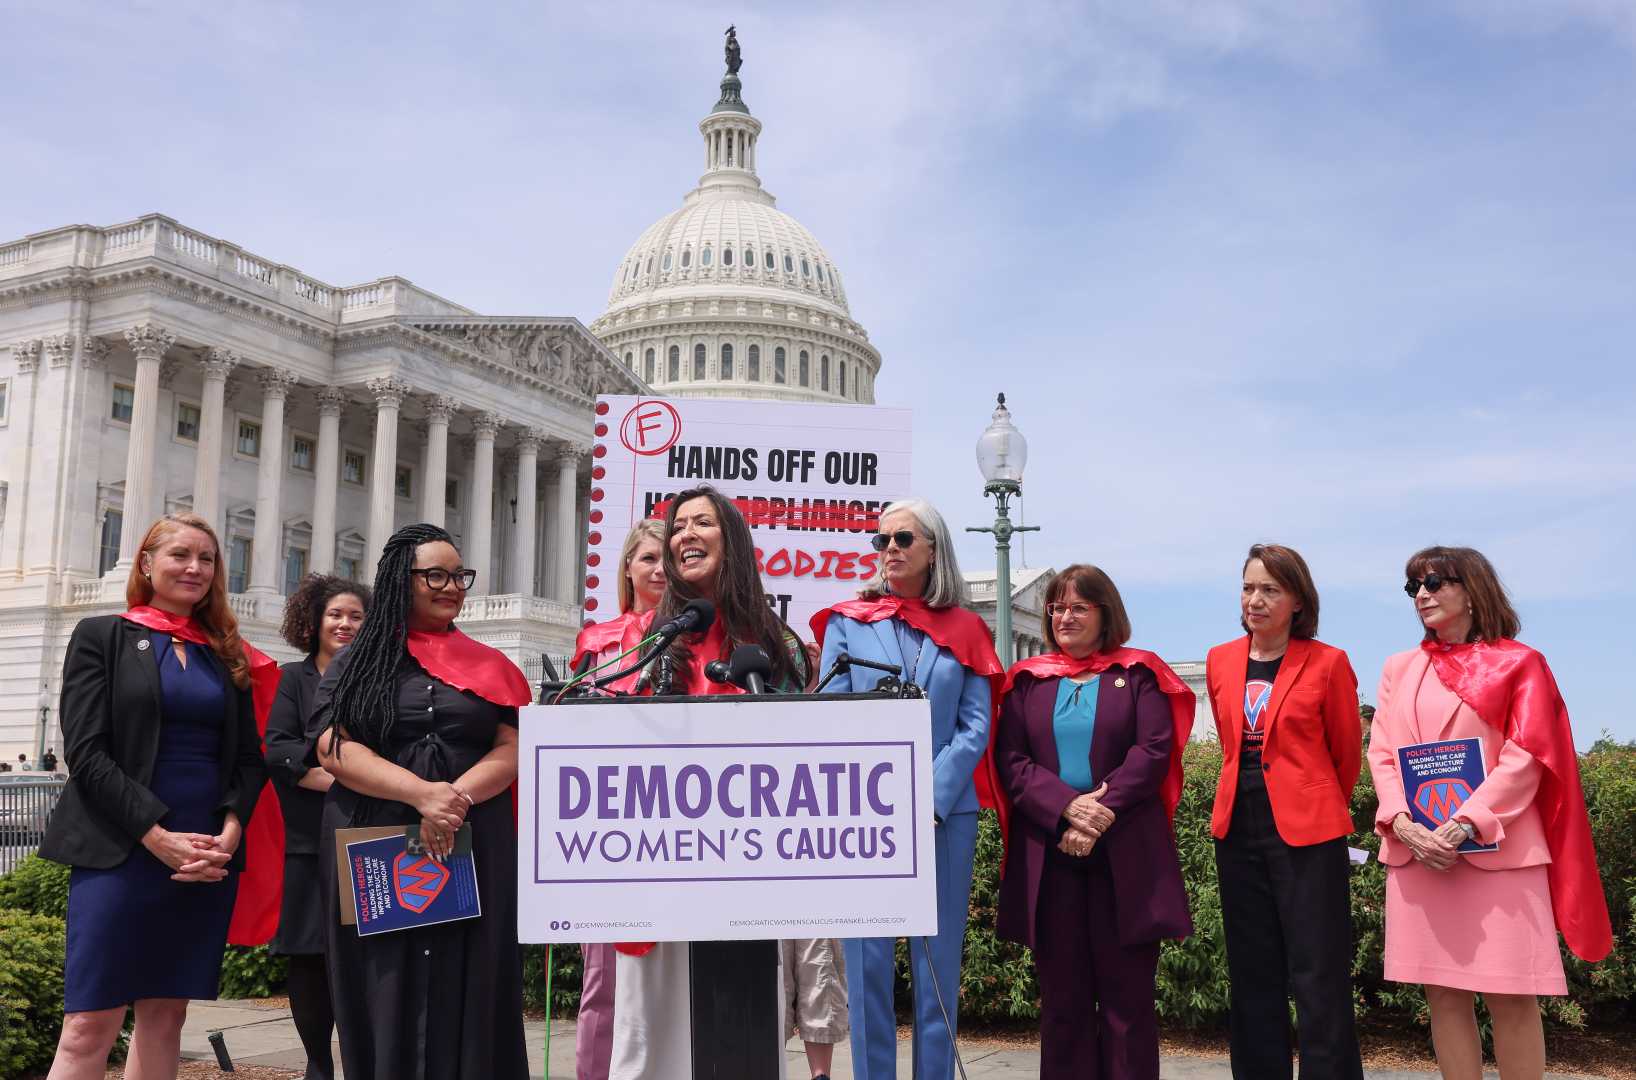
pixel 1314 741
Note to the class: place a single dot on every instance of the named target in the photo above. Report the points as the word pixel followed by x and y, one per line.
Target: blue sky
pixel 1354 277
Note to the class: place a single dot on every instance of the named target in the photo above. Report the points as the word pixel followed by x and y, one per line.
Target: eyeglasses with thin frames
pixel 1078 611
pixel 438 578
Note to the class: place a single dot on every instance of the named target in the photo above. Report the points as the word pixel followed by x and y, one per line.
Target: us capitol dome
pixel 730 297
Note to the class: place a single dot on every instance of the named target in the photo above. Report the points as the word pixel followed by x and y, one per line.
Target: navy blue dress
pixel 134 933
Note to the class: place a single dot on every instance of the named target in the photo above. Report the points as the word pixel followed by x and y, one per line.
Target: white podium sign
pixel 644 820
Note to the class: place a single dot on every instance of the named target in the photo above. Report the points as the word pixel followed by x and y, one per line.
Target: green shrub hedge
pixel 31 961
pixel 36 885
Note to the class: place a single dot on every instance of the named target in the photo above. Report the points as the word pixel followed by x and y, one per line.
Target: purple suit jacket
pixel 1130 749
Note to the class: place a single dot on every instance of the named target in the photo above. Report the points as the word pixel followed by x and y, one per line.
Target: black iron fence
pixel 26 803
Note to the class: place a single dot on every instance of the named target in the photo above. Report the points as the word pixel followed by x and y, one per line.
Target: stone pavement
pixel 263 1036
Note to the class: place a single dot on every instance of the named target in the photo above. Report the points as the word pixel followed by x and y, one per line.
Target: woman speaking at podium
pixel 913 615
pixel 418 724
pixel 709 554
pixel 641 586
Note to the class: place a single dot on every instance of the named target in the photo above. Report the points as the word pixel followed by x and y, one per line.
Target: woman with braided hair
pixel 418 724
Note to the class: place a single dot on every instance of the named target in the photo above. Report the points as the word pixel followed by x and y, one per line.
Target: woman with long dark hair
pixel 321 618
pixel 709 554
pixel 164 753
pixel 1475 901
pixel 418 724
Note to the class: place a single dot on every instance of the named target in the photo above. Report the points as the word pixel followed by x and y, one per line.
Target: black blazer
pixel 286 756
pixel 111 714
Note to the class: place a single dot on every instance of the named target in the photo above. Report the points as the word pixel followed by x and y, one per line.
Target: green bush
pixel 31 963
pixel 36 885
pixel 252 972
pixel 565 978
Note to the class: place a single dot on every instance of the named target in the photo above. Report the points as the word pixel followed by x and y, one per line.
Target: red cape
pixel 465 664
pixel 604 640
pixel 1057 664
pixel 261 884
pixel 967 638
pixel 1510 686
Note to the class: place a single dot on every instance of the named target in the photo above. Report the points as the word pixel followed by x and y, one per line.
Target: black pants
pixel 1286 912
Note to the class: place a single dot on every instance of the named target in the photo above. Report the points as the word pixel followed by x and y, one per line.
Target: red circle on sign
pixel 587 622
pixel 595 538
pixel 651 427
pixel 590 604
pixel 602 408
pixel 596 494
pixel 593 559
pixel 596 517
pixel 598 473
pixel 600 451
pixel 601 430
pixel 592 582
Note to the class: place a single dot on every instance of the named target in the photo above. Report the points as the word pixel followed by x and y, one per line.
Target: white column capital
pixel 487 424
pixel 529 439
pixel 332 400
pixel 389 391
pixel 275 382
pixel 440 408
pixel 218 364
pixel 149 342
pixel 94 353
pixel 59 350
pixel 571 453
pixel 27 355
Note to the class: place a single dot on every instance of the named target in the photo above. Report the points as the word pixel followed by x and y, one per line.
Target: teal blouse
pixel 1073 720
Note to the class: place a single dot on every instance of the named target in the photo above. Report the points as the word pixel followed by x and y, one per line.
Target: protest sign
pixel 654 820
pixel 810 479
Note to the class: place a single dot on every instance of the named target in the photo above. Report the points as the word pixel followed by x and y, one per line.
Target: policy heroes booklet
pixel 1438 777
pixel 390 882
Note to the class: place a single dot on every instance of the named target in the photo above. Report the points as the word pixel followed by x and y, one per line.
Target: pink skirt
pixel 1472 929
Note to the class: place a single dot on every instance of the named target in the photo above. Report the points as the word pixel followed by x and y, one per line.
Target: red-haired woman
pixel 1088 753
pixel 1461 920
pixel 1286 709
pixel 641 587
pixel 164 753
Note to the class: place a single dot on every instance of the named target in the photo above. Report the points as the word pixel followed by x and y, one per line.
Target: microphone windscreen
pixel 750 660
pixel 703 612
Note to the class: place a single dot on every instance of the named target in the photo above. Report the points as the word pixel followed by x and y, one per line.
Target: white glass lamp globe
pixel 1002 452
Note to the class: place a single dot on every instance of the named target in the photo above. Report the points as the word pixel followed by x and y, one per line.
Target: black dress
pixel 134 933
pixel 442 1002
pixel 300 913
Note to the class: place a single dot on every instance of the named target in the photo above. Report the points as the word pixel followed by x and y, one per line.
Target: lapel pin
pixel 142 645
pixel 1119 681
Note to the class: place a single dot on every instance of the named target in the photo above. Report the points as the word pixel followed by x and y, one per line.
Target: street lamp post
pixel 45 720
pixel 1001 454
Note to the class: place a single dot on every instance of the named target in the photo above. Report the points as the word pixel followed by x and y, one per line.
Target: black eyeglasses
pixel 903 538
pixel 1432 582
pixel 438 578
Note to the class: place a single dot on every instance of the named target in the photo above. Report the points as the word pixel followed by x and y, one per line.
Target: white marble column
pixel 480 508
pixel 26 355
pixel 267 548
pixel 149 343
pixel 326 477
pixel 389 393
pixel 568 566
pixel 217 365
pixel 434 477
pixel 523 548
pixel 550 537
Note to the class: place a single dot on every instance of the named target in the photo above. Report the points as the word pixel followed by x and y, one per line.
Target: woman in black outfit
pixel 164 757
pixel 321 618
pixel 418 724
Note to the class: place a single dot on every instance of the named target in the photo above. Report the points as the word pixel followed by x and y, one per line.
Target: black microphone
pixel 698 616
pixel 718 671
pixel 749 669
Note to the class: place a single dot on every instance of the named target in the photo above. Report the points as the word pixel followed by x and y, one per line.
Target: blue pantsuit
pixel 960 707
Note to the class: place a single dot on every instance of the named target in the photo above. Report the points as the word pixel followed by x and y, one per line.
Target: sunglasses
pixel 903 538
pixel 1432 582
pixel 438 578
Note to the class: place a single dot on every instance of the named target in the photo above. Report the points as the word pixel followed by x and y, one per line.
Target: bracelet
pixel 1471 830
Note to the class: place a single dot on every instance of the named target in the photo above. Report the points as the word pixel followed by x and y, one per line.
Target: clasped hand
pixel 195 857
pixel 1439 849
pixel 1087 821
pixel 442 809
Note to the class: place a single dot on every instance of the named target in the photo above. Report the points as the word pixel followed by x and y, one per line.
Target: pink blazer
pixel 1414 706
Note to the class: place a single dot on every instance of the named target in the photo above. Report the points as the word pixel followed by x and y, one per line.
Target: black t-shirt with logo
pixel 1259 676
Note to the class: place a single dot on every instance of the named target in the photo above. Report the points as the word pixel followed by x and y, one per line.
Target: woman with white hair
pixel 913 614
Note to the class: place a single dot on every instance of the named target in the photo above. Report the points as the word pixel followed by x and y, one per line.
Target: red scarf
pixel 967 638
pixel 453 658
pixel 261 884
pixel 1511 688
pixel 1061 665
pixel 604 640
